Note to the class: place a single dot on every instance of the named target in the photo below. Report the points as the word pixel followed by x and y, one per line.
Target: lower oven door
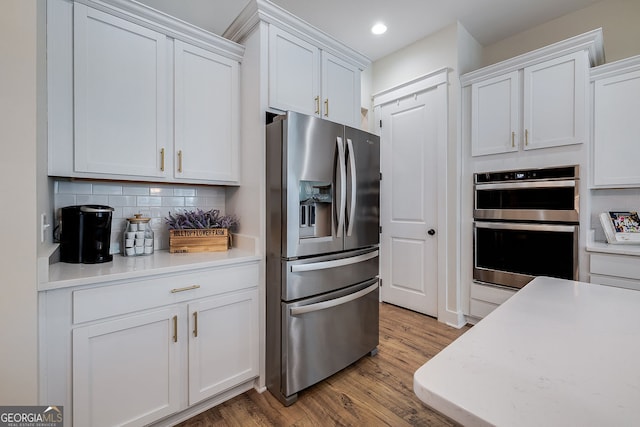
pixel 327 333
pixel 512 254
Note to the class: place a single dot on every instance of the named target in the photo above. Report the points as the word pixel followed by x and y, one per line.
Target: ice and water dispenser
pixel 315 209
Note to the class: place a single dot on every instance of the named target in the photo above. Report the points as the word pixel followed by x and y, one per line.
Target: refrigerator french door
pixel 323 197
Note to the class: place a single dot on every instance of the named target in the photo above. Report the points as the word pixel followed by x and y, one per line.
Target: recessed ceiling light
pixel 379 28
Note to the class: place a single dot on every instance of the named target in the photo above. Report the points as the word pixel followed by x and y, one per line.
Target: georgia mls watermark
pixel 31 416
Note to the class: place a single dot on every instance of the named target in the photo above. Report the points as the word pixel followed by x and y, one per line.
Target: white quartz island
pixel 557 353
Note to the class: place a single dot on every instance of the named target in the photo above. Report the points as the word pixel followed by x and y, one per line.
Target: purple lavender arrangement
pixel 199 219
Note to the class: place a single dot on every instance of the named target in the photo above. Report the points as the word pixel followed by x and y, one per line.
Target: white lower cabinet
pixel 126 371
pixel 486 298
pixel 141 351
pixel 223 345
pixel 621 271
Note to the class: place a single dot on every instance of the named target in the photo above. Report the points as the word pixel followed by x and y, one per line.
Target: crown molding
pixel 265 11
pixel 591 41
pixel 616 68
pixel 153 19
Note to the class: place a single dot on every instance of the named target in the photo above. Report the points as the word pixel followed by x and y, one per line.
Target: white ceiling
pixel 408 20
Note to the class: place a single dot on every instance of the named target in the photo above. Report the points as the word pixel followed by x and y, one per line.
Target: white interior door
pixel 409 205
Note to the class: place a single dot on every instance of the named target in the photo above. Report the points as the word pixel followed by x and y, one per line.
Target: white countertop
pixel 63 275
pixel 557 353
pixel 618 249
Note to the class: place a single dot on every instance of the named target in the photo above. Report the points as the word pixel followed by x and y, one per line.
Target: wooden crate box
pixel 199 240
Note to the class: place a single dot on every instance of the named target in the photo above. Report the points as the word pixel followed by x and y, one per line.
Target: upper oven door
pixel 528 200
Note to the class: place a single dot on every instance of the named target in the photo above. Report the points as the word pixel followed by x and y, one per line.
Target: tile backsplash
pixel 149 199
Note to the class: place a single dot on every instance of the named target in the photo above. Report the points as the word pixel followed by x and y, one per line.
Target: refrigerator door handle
pixel 343 186
pixel 352 165
pixel 322 265
pixel 295 311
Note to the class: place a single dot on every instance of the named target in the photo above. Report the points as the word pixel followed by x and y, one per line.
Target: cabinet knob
pixel 431 232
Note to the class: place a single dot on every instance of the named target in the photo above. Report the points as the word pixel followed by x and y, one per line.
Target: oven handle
pixel 525 226
pixel 297 268
pixel 334 302
pixel 529 184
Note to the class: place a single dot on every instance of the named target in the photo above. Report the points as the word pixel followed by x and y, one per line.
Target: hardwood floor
pixel 374 391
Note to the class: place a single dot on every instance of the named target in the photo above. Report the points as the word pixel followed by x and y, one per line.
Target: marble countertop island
pixel 557 353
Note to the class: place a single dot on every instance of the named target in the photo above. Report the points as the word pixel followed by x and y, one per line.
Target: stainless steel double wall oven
pixel 526 225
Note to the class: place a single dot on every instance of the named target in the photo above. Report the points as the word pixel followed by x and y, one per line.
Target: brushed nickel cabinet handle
pixel 186 288
pixel 513 139
pixel 180 161
pixel 162 159
pixel 175 328
pixel 526 137
pixel 317 104
pixel 326 107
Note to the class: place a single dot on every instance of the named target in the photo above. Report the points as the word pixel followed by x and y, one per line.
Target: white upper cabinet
pixel 150 98
pixel 119 95
pixel 555 104
pixel 340 90
pixel 616 124
pixel 294 73
pixel 495 115
pixel 533 101
pixel 305 78
pixel 206 112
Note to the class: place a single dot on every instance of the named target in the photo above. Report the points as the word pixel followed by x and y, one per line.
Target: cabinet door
pixel 294 73
pixel 119 95
pixel 495 118
pixel 616 130
pixel 223 348
pixel 206 115
pixel 340 91
pixel 555 106
pixel 126 371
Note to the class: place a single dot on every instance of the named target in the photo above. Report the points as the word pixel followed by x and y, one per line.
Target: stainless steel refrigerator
pixel 323 197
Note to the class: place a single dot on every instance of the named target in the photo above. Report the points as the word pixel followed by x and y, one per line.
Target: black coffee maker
pixel 85 234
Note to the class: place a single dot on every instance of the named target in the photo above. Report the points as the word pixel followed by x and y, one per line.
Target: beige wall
pixel 18 121
pixel 619 20
pixel 424 56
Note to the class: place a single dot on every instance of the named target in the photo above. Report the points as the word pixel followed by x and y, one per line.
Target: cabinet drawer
pixel 490 294
pixel 615 281
pixel 481 309
pixel 121 298
pixel 616 265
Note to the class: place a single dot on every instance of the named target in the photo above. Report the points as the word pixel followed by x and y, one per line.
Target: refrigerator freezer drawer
pixel 326 334
pixel 317 275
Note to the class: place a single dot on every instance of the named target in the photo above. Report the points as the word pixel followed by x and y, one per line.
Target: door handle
pixel 352 166
pixel 431 232
pixel 322 265
pixel 343 185
pixel 195 324
pixel 334 302
pixel 175 328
